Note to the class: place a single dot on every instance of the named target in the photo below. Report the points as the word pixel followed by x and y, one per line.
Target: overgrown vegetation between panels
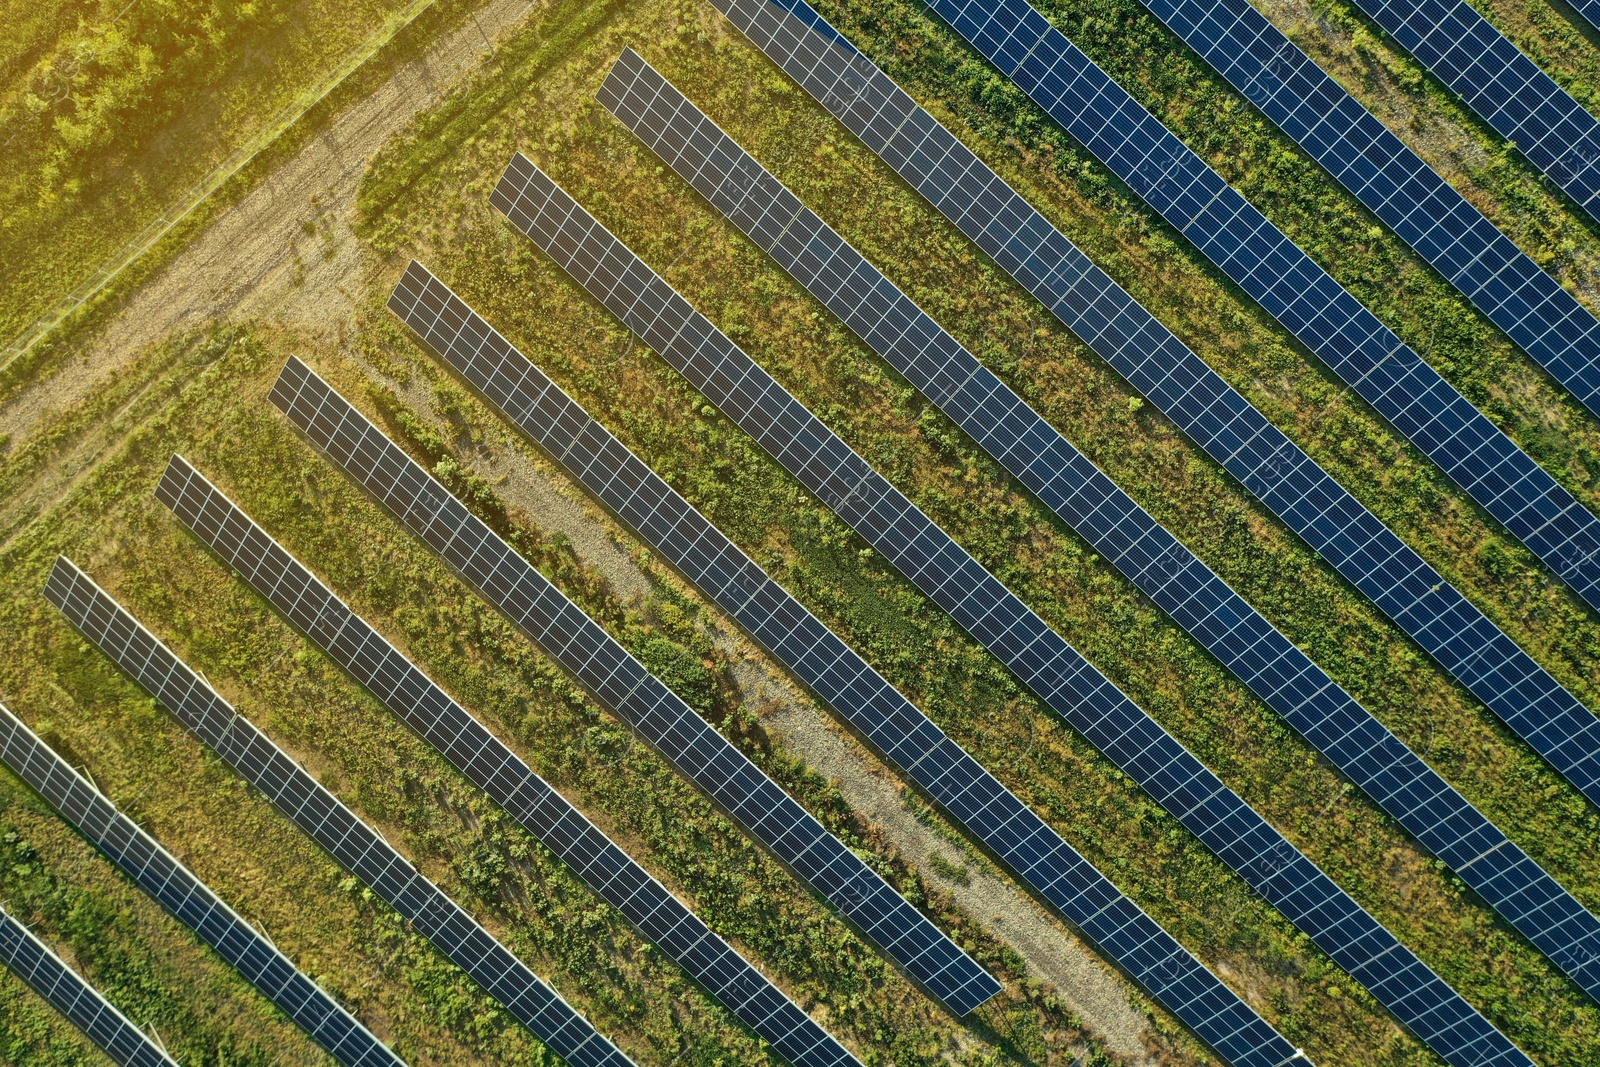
pixel 353 943
pixel 203 395
pixel 419 199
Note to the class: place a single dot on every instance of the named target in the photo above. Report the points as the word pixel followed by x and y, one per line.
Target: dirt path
pixel 284 253
pixel 1053 953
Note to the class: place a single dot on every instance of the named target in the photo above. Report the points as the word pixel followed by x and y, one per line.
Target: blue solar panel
pixel 298 795
pixel 1014 434
pixel 684 537
pixel 83 1005
pixel 1505 87
pixel 1049 666
pixel 1084 298
pixel 176 888
pixel 658 715
pixel 1396 185
pixel 1407 392
pixel 1589 10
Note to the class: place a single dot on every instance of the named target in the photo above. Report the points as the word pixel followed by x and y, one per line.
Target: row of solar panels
pixel 995 217
pixel 975 599
pixel 1002 423
pixel 1284 280
pixel 1507 89
pixel 990 403
pixel 1553 721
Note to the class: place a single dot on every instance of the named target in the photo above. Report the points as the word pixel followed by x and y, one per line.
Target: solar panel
pixel 176 888
pixel 295 793
pixel 83 1005
pixel 686 539
pixel 1411 395
pixel 1013 433
pixel 1589 10
pixel 640 699
pixel 1396 185
pixel 610 872
pixel 1507 89
pixel 1084 298
pixel 1037 655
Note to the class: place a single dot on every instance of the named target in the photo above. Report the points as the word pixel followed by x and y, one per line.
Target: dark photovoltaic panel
pixel 614 876
pixel 66 991
pixel 176 888
pixel 1396 185
pixel 295 793
pixel 1158 563
pixel 684 537
pixel 640 699
pixel 994 616
pixel 1191 394
pixel 1590 10
pixel 1416 401
pixel 1505 87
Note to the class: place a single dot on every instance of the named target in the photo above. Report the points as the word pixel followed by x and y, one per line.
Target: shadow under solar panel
pixel 975 599
pixel 484 759
pixel 1023 243
pixel 1507 89
pixel 1014 434
pixel 636 696
pixel 70 994
pixel 1471 450
pixel 299 796
pixel 188 899
pixel 1393 182
pixel 832 670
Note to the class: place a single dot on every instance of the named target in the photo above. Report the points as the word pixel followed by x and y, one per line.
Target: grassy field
pixel 109 110
pixel 425 195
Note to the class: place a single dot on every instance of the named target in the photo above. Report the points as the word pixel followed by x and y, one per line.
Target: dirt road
pixel 285 252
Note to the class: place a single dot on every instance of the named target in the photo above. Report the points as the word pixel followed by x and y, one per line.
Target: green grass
pixel 426 194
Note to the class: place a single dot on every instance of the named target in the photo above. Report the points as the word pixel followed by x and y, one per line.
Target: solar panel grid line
pixel 1350 340
pixel 626 485
pixel 1506 88
pixel 1000 221
pixel 618 680
pixel 79 1002
pixel 1053 669
pixel 188 899
pixel 315 810
pixel 427 709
